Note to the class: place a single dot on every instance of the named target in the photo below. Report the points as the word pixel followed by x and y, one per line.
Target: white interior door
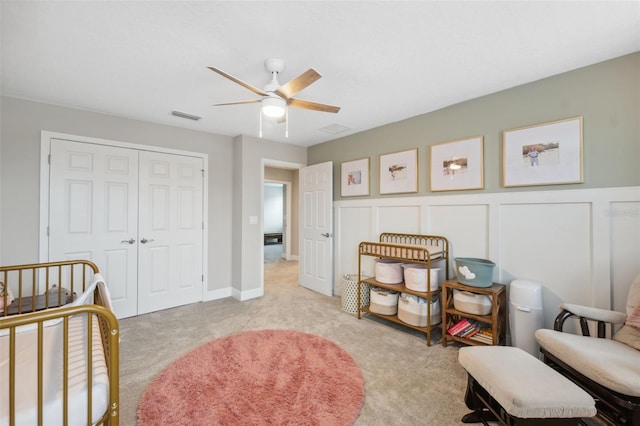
pixel 170 231
pixel 316 228
pixel 93 213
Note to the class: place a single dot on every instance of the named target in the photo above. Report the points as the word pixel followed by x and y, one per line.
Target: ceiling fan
pixel 276 97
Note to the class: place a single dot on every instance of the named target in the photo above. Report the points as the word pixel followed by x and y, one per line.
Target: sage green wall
pixel 606 95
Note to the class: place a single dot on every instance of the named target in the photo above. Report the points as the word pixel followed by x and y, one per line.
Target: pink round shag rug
pixel 269 377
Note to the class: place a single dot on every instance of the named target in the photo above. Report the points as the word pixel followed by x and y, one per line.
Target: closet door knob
pixel 145 241
pixel 130 241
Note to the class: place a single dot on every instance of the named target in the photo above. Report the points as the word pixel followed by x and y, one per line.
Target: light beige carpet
pixel 406 382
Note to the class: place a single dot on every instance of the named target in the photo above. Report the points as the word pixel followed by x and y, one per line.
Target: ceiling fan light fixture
pixel 273 106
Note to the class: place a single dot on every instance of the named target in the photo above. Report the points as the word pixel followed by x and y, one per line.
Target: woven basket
pixel 350 293
pixel 383 301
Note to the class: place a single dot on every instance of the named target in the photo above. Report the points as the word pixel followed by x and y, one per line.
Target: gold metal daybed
pixel 59 346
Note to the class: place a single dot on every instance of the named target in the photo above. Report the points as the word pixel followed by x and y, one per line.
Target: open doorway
pixel 275 220
pixel 280 219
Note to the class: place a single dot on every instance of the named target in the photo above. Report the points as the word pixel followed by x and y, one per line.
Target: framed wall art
pixel 354 178
pixel 543 154
pixel 457 165
pixel 399 172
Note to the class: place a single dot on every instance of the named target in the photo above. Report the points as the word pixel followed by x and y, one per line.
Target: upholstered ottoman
pixel 513 387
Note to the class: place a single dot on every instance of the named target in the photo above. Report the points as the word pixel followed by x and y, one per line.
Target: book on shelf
pixel 484 335
pixel 455 328
pixel 464 328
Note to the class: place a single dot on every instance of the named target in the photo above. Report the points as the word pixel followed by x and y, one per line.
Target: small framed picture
pixel 399 172
pixel 354 178
pixel 457 165
pixel 543 154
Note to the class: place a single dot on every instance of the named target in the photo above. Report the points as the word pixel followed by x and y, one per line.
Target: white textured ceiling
pixel 380 61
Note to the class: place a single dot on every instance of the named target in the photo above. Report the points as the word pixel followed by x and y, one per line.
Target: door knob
pixel 130 241
pixel 327 234
pixel 145 241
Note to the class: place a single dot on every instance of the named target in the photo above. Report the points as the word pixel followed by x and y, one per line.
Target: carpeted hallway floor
pixel 406 382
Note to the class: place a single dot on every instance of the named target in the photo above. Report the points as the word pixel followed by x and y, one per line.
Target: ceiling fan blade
pixel 299 103
pixel 292 87
pixel 240 82
pixel 254 101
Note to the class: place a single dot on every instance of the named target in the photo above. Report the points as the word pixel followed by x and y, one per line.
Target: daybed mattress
pixel 26 396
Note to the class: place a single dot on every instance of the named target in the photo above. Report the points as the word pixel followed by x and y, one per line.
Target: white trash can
pixel 525 314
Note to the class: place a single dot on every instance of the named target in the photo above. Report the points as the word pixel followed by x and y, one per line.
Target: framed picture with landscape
pixel 457 165
pixel 354 178
pixel 399 172
pixel 543 154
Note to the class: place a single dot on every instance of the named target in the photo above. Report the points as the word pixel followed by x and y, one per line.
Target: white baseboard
pixel 217 294
pixel 247 295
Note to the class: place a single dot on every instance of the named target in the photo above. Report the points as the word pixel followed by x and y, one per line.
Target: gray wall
pixel 606 95
pixel 235 183
pixel 22 122
pixel 251 154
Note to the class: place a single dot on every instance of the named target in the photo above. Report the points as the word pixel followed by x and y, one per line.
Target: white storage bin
pixel 413 310
pixel 388 271
pixel 415 277
pixel 471 303
pixel 383 301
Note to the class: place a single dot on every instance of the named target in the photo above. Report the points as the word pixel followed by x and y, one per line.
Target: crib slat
pixel 89 367
pixel 40 372
pixel 65 371
pixel 12 376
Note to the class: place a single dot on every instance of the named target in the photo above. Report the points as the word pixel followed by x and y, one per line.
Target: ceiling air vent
pixel 185 115
pixel 334 128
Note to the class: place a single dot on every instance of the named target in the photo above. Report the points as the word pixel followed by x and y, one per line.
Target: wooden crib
pixel 59 346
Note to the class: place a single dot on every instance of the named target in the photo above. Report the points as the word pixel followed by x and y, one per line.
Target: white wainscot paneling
pixel 624 219
pixel 353 225
pixel 548 243
pixel 399 219
pixel 465 226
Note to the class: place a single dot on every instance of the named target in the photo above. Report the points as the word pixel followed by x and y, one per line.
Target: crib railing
pixel 106 321
pixel 39 286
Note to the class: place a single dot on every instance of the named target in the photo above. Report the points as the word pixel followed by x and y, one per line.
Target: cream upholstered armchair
pixel 607 368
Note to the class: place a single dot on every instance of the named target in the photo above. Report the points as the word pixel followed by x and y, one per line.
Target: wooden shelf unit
pixel 409 248
pixel 496 319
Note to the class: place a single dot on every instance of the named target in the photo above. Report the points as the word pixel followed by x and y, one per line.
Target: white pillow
pixel 106 295
pixel 629 334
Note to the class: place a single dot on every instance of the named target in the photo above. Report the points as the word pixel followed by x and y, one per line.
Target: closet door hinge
pixel 47 231
pixel 202 170
pixel 49 159
pixel 202 278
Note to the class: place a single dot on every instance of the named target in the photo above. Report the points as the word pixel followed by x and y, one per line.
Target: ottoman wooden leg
pixel 480 413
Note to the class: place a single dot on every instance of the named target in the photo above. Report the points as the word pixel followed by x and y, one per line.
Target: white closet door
pixel 93 213
pixel 170 231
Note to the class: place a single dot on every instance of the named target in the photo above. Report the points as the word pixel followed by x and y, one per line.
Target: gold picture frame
pixel 399 172
pixel 457 165
pixel 354 178
pixel 543 154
